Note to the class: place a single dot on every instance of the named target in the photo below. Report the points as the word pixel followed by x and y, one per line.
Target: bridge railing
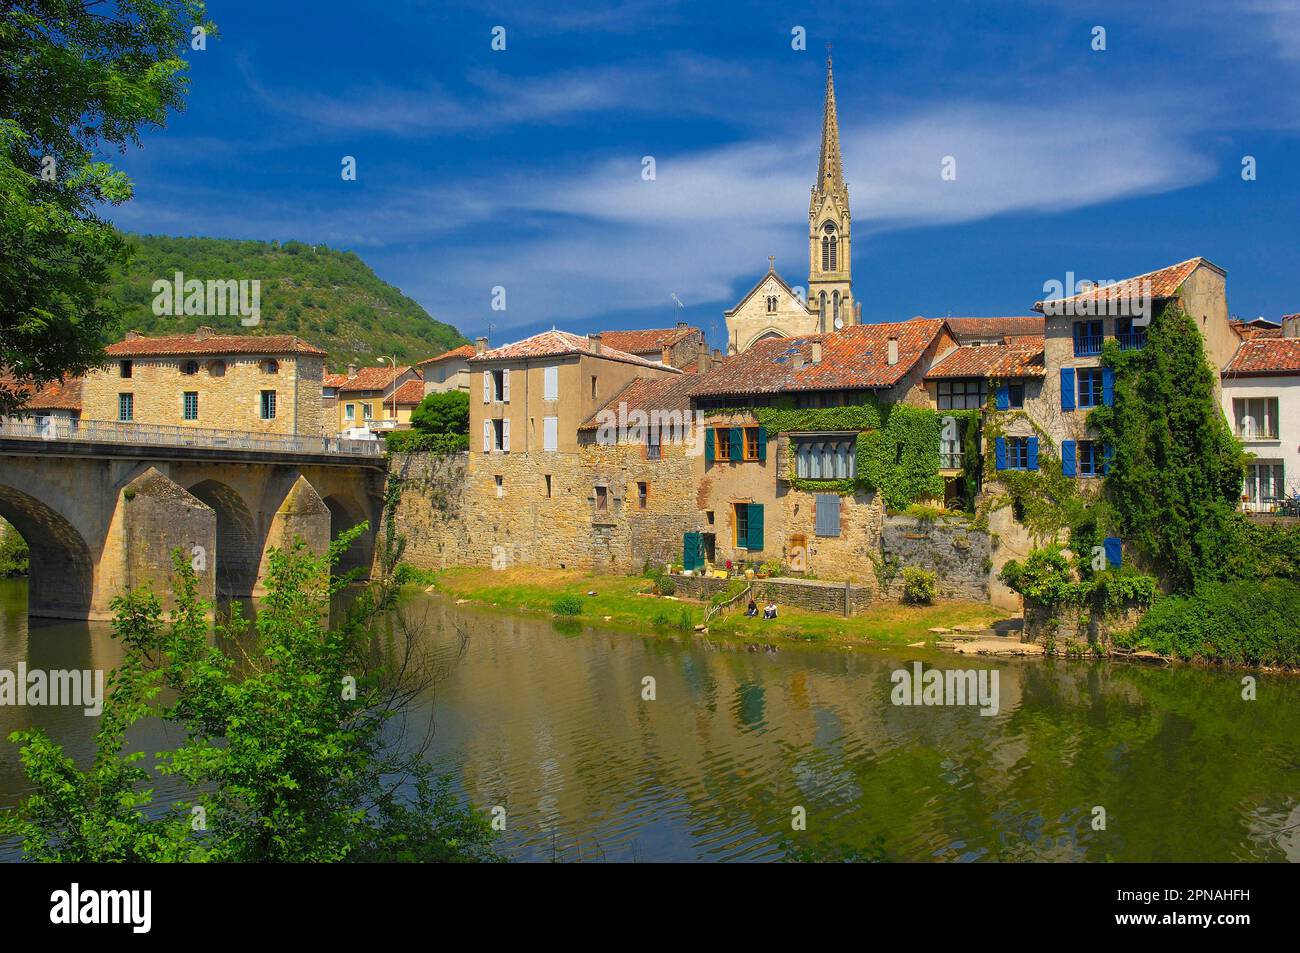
pixel 158 435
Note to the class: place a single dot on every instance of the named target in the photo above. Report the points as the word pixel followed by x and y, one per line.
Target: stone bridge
pixel 101 514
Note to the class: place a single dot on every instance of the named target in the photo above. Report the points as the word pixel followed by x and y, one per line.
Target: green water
pixel 551 725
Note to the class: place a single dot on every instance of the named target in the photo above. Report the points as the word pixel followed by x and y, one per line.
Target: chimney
pixel 857 312
pixel 593 343
pixel 480 345
pixel 893 349
pixel 816 352
pixel 1291 326
pixel 702 361
pixel 202 332
pixel 682 325
pixel 717 356
pixel 352 370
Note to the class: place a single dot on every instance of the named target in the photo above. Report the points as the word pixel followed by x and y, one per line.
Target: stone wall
pixel 802 593
pixel 956 552
pixel 430 509
pixel 1069 629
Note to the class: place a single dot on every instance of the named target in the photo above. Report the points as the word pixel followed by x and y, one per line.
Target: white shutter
pixel 552 383
pixel 505 385
pixel 487 386
pixel 505 435
pixel 550 433
pixel 487 435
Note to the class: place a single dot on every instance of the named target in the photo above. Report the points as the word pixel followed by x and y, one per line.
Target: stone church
pixel 773 308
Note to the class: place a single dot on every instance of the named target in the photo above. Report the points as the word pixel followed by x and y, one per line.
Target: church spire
pixel 830 173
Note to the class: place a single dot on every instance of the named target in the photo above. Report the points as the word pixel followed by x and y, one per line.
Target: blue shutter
pixel 708 445
pixel 755 542
pixel 762 445
pixel 1068 465
pixel 1067 387
pixel 1107 386
pixel 1004 396
pixel 1000 452
pixel 1114 551
pixel 692 545
pixel 1107 452
pixel 828 514
pixel 1032 443
pixel 736 445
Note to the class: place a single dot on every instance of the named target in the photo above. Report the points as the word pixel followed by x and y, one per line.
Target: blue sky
pixel 522 168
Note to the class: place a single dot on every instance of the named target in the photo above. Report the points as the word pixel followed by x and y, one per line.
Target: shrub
pixel 567 605
pixel 416 441
pixel 13 553
pixel 920 586
pixel 661 619
pixel 665 585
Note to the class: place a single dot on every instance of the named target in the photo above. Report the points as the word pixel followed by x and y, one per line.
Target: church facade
pixel 775 309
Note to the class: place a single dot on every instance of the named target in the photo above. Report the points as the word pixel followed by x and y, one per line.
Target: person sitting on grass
pixel 769 611
pixel 752 611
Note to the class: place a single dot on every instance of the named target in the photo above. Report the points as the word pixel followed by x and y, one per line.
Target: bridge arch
pixel 239 546
pixel 345 513
pixel 61 575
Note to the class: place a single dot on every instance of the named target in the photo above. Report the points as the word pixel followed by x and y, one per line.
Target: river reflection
pixel 552 726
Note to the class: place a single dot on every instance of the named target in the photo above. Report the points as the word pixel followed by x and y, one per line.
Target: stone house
pixel 262 384
pixel 678 347
pixel 1261 400
pixel 448 371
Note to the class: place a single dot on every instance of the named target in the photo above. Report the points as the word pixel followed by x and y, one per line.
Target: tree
pixel 295 737
pixel 442 413
pixel 76 77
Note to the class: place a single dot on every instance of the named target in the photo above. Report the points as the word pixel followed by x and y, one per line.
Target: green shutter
pixel 737 445
pixel 755 542
pixel 692 549
pixel 762 445
pixel 708 445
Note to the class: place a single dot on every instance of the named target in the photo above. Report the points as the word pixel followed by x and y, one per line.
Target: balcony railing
pixel 156 435
pixel 950 461
pixel 1087 345
pixel 1258 433
pixel 1131 340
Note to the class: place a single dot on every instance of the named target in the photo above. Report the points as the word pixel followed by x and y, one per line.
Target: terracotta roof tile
pixel 855 358
pixel 334 380
pixel 465 351
pixel 1260 356
pixel 650 340
pixel 989 360
pixel 373 378
pixel 1160 284
pixel 412 392
pixel 56 395
pixel 967 330
pixel 557 344
pixel 648 394
pixel 182 344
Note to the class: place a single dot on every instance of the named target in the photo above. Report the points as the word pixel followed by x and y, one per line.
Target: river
pixel 550 724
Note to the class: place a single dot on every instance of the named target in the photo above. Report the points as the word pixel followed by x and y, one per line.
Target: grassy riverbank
pixel 620 603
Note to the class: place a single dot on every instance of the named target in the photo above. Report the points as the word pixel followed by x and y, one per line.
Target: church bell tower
pixel 830 244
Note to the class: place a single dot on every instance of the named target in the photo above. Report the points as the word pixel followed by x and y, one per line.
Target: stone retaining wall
pixel 802 593
pixel 958 554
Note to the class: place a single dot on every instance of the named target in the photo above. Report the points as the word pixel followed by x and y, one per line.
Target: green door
pixel 692 551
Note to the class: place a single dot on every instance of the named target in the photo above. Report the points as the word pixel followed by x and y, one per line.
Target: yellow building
pixel 369 398
pixel 447 371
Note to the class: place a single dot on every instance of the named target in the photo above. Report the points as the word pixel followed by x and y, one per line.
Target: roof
pixel 1160 284
pixel 772 274
pixel 374 378
pixel 138 345
pixel 989 360
pixel 412 392
pixel 464 351
pixel 333 380
pixel 649 340
pixel 1264 356
pixel 557 344
pixel 853 359
pixel 56 395
pixel 985 329
pixel 648 394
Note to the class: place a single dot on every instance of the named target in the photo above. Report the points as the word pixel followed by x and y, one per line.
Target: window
pixel 642 494
pixel 496 435
pixel 1087 338
pixel 771 304
pixel 270 367
pixel 749 526
pixel 593 386
pixel 1265 482
pixel 124 368
pixel 708 516
pixel 125 406
pixel 551 383
pixel 722 443
pixel 190 405
pixel 1018 453
pixel 602 499
pixel 1090 386
pixel 742 525
pixel 653 447
pixel 1255 417
pixel 962 394
pixel 1131 337
pixel 500 385
pixel 1016 396
pixel 1089 457
pixel 825 457
pixel 751 443
pixel 268 405
pixel 950 450
pixel 547 478
pixel 365 411
pixel 550 433
pixel 190 367
pixel 501 484
pixel 217 368
pixel 349 411
pixel 828 514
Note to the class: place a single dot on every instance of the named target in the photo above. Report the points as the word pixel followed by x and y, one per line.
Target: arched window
pixel 815 461
pixel 190 367
pixel 270 366
pixel 823 305
pixel 771 304
pixel 828 246
pixel 826 253
pixel 835 261
pixel 835 301
pixel 828 461
pixel 801 461
pixel 217 368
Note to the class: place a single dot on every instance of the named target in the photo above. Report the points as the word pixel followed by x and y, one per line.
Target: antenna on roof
pixel 680 306
pixel 491 327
